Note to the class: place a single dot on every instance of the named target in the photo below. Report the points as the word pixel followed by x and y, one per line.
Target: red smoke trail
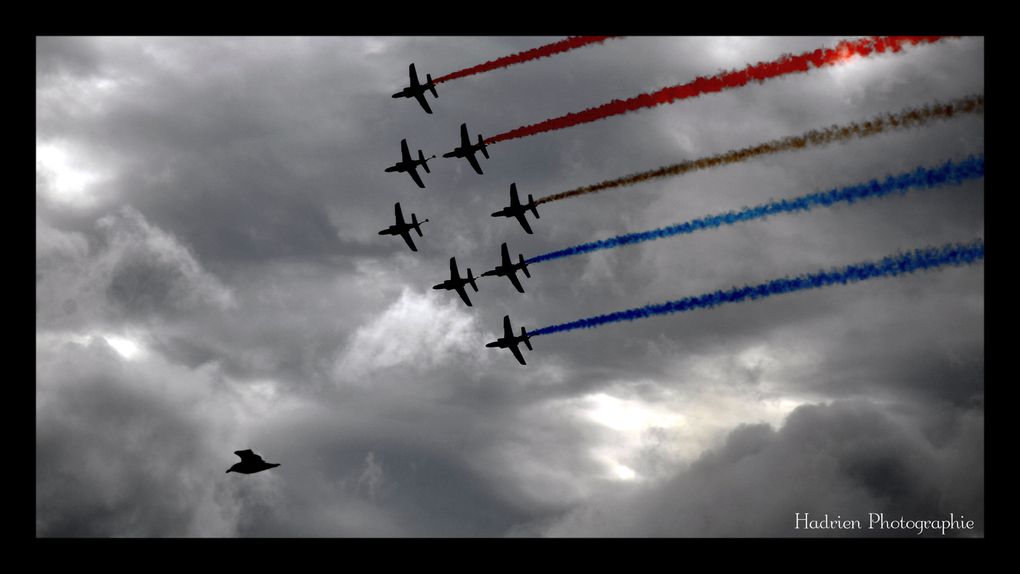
pixel 532 54
pixel 759 72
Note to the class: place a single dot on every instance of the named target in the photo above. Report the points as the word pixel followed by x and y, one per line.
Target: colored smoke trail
pixel 919 259
pixel 532 54
pixel 909 118
pixel 759 72
pixel 949 172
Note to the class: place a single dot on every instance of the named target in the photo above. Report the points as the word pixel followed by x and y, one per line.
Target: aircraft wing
pixel 513 279
pixel 405 154
pixel 413 75
pixel 506 256
pixel 454 274
pixel 463 294
pixel 248 455
pixel 465 141
pixel 514 200
pixel 399 214
pixel 474 163
pixel 417 179
pixel 406 234
pixel 420 96
pixel 517 353
pixel 524 222
pixel 508 333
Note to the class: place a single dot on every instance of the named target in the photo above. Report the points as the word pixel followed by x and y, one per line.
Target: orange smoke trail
pixel 909 118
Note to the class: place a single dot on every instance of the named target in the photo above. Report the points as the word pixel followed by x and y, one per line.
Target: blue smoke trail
pixel 949 172
pixel 925 258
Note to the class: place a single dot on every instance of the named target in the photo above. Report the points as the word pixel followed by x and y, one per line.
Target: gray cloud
pixel 139 448
pixel 74 56
pixel 122 270
pixel 846 459
pixel 122 451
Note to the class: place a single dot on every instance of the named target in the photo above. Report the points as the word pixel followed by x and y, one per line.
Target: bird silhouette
pixel 250 463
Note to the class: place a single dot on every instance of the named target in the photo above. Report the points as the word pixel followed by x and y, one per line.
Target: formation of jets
pixel 404 229
pixel 466 150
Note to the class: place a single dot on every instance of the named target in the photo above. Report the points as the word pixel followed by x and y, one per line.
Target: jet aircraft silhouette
pixel 467 149
pixel 250 463
pixel 509 269
pixel 456 282
pixel 510 341
pixel 409 164
pixel 417 90
pixel 404 229
pixel 515 209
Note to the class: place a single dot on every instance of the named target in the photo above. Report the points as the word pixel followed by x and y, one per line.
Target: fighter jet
pixel 455 282
pixel 509 269
pixel 467 149
pixel 417 90
pixel 509 341
pixel 404 229
pixel 250 463
pixel 515 209
pixel 409 164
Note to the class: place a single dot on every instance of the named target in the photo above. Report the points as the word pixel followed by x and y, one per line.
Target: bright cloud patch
pixel 69 179
pixel 650 436
pixel 837 458
pixel 417 331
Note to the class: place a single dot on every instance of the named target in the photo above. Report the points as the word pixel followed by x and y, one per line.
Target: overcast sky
pixel 209 278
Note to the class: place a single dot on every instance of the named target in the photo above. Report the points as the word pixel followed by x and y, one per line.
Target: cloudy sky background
pixel 209 278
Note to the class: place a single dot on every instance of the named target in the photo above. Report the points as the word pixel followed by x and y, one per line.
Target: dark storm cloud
pixel 233 157
pixel 139 449
pixel 845 459
pixel 153 273
pixel 421 491
pixel 123 269
pixel 69 55
pixel 242 189
pixel 114 455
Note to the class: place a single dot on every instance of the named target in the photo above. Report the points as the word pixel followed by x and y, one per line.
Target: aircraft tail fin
pixel 416 224
pixel 432 85
pixel 471 280
pixel 524 266
pixel 424 162
pixel 485 152
pixel 527 339
pixel 534 206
